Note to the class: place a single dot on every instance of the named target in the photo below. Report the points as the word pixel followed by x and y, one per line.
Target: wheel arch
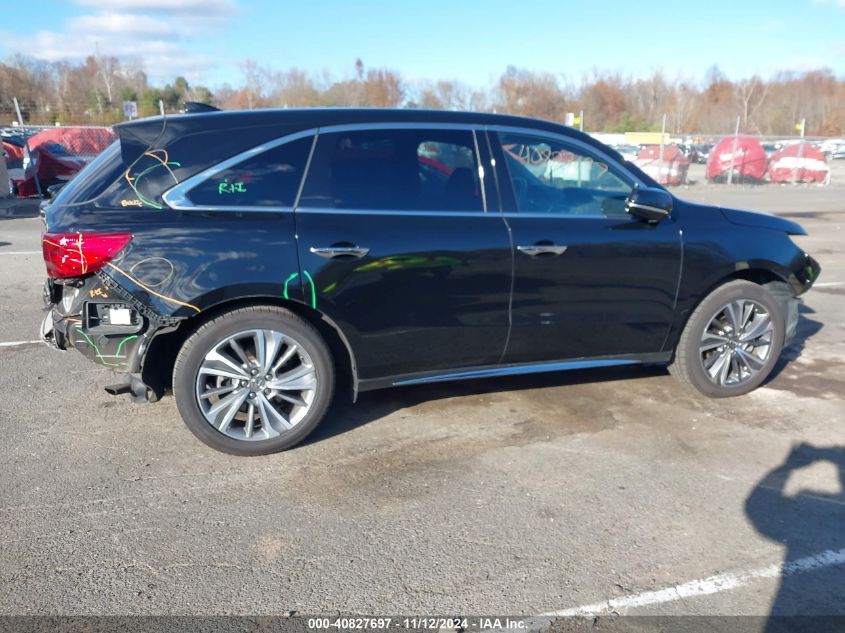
pixel 760 274
pixel 158 362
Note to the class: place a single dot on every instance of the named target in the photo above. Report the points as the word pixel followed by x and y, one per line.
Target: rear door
pixel 589 280
pixel 397 248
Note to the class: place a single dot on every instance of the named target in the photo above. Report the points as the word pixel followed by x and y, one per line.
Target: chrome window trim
pixel 305 171
pixel 480 172
pixel 332 211
pixel 402 125
pixel 232 209
pixel 177 196
pixel 560 216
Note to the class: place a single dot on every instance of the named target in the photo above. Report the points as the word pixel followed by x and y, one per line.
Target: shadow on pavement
pixel 343 416
pixel 809 520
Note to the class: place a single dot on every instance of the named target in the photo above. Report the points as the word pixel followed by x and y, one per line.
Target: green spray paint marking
pixel 310 282
pixel 230 187
pixel 287 281
pixel 313 290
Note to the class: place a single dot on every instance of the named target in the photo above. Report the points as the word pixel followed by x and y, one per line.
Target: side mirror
pixel 649 204
pixel 52 190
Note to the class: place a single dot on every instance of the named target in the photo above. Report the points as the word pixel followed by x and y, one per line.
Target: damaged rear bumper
pixel 100 325
pixel 104 323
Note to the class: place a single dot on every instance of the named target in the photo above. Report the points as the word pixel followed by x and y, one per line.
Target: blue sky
pixel 456 39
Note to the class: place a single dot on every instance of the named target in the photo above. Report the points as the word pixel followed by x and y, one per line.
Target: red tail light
pixel 77 254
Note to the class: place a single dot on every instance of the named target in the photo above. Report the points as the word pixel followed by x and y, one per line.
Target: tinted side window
pixel 549 176
pixel 269 179
pixel 94 178
pixel 395 170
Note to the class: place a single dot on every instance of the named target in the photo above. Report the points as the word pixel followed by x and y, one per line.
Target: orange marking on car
pixel 151 291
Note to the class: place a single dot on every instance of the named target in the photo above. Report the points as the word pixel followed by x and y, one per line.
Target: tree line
pixel 93 91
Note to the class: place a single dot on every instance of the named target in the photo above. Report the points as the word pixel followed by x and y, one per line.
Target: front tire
pixel 253 381
pixel 731 341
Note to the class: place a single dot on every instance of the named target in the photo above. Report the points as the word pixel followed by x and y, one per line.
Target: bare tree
pixel 528 93
pixel 383 88
pixel 254 77
pixel 91 91
pixel 750 94
pixel 445 95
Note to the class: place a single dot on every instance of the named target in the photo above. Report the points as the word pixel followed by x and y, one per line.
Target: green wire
pixel 97 349
pixel 120 347
pixel 134 186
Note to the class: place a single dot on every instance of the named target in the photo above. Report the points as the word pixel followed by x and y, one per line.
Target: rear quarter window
pixel 150 171
pixel 269 179
pixel 93 179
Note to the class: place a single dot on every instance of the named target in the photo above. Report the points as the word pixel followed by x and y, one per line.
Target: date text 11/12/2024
pixel 417 623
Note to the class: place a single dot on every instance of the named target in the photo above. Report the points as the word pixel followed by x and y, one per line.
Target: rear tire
pixel 731 341
pixel 253 381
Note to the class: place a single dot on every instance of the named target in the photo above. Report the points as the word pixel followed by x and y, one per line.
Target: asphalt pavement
pixel 583 492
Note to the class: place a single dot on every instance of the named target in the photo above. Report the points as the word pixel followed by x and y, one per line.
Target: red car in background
pixel 799 162
pixel 668 168
pixel 54 156
pixel 743 154
pixel 13 154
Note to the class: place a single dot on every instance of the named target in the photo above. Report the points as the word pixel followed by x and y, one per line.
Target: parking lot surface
pixel 602 490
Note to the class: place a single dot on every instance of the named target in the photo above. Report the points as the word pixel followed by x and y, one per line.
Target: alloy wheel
pixel 256 384
pixel 736 343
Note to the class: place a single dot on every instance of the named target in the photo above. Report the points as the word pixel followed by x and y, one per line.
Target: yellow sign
pixel 645 138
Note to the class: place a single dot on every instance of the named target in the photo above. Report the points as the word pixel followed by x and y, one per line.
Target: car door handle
pixel 339 250
pixel 541 249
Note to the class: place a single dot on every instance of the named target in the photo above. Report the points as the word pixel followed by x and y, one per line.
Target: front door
pixel 396 247
pixel 590 280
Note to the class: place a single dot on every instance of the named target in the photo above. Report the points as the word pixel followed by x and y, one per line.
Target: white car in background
pixel 628 152
pixel 833 147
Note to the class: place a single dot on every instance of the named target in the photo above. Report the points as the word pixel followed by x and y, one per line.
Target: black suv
pixel 248 258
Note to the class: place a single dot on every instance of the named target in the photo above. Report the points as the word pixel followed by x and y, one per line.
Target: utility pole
pixel 800 153
pixel 18 110
pixel 733 153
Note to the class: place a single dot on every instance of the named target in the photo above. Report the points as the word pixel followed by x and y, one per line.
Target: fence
pixel 732 157
pixel 39 157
